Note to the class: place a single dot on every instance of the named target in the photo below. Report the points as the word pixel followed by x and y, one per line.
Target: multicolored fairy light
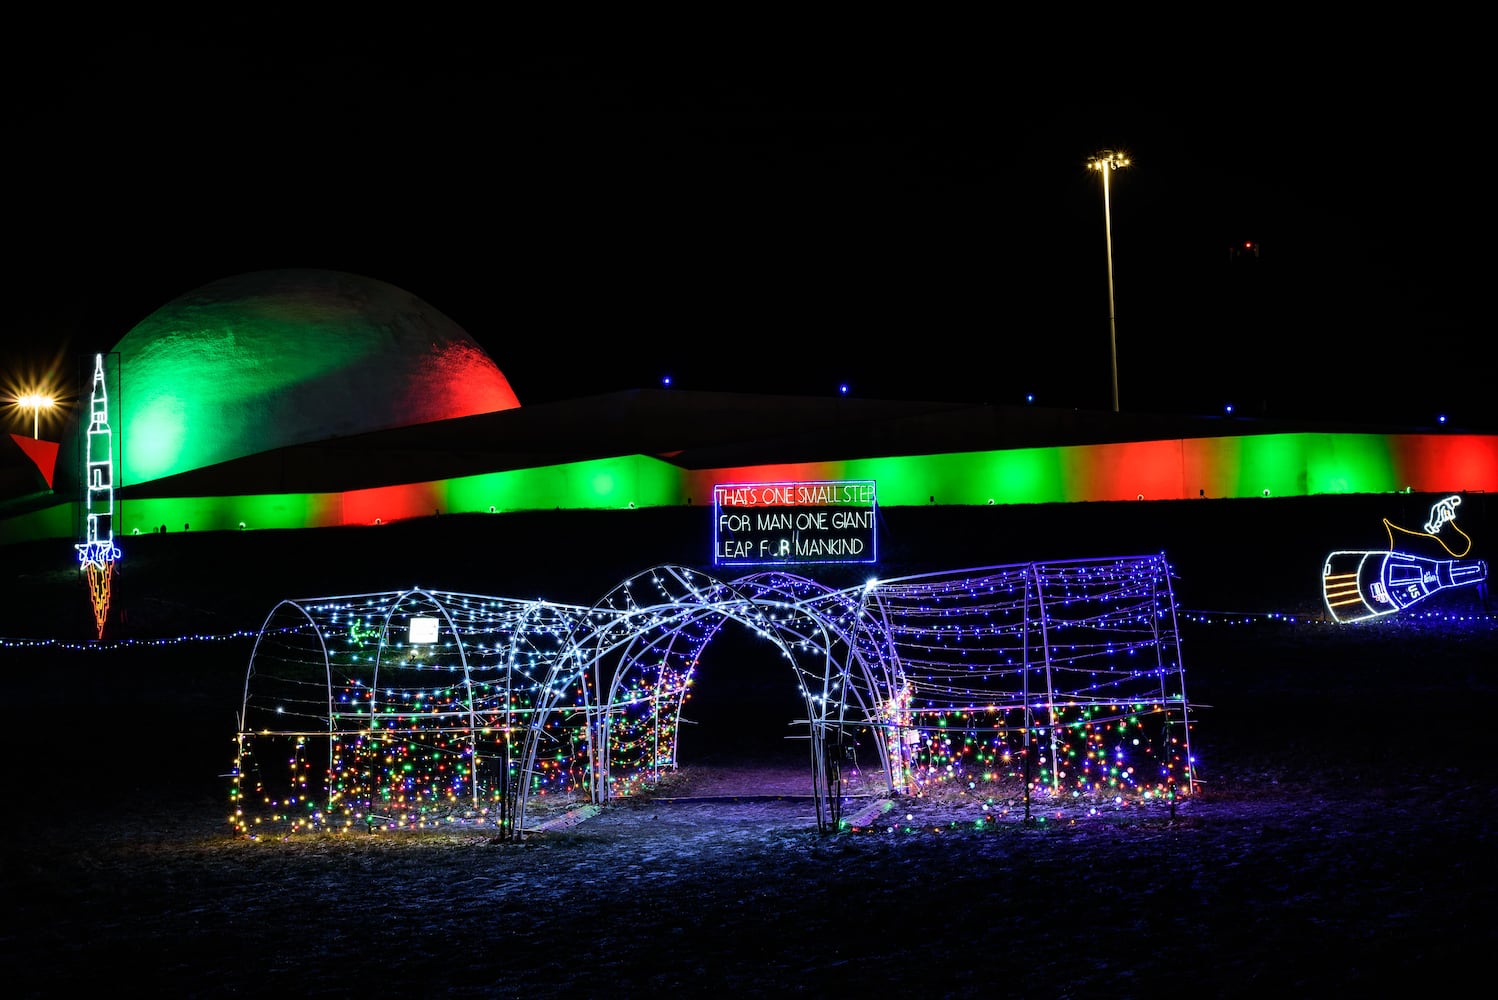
pixel 1060 683
pixel 97 551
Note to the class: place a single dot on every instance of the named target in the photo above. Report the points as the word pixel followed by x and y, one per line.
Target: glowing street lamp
pixel 1105 163
pixel 36 403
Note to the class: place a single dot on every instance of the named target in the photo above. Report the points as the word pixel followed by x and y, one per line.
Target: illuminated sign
pixel 423 631
pixel 775 524
pixel 97 552
pixel 1362 584
pixel 1366 584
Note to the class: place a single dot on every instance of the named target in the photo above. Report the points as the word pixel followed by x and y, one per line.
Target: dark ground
pixel 1341 839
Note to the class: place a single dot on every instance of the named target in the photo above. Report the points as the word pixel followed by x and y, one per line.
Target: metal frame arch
pixel 883 671
pixel 262 716
pixel 1034 584
pixel 363 800
pixel 885 651
pixel 788 614
pixel 1145 612
pixel 617 623
pixel 1185 723
pixel 606 626
pixel 245 738
pixel 693 626
pixel 777 620
pixel 560 672
pixel 757 614
pixel 481 632
pixel 457 642
pixel 712 603
pixel 1161 581
pixel 931 599
pixel 673 696
pixel 516 737
pixel 977 641
pixel 384 644
pixel 567 668
pixel 839 692
pixel 680 636
pixel 255 650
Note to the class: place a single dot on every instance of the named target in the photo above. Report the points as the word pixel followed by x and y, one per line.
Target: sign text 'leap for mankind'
pixel 756 524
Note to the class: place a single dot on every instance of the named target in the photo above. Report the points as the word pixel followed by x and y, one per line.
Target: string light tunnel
pixel 1017 687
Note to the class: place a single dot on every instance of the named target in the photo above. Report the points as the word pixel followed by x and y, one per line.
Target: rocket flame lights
pixel 1057 680
pixel 97 552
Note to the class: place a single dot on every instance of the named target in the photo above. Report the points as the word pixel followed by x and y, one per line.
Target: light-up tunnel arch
pixel 421 709
pixel 627 670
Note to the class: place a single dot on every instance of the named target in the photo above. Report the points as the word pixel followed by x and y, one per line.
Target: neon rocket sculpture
pixel 97 552
pixel 1362 584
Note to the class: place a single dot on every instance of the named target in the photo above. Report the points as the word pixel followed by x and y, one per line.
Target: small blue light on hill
pixel 1441 419
pixel 1229 409
pixel 1029 397
pixel 665 381
pixel 843 389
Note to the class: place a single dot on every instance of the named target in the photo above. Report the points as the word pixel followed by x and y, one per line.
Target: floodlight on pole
pixel 1105 162
pixel 36 403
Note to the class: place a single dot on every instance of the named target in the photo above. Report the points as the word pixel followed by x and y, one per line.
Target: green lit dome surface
pixel 271 359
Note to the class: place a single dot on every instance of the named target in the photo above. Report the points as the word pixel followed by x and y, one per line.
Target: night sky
pixel 908 214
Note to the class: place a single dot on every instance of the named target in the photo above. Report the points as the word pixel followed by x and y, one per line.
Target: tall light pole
pixel 36 403
pixel 1105 162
